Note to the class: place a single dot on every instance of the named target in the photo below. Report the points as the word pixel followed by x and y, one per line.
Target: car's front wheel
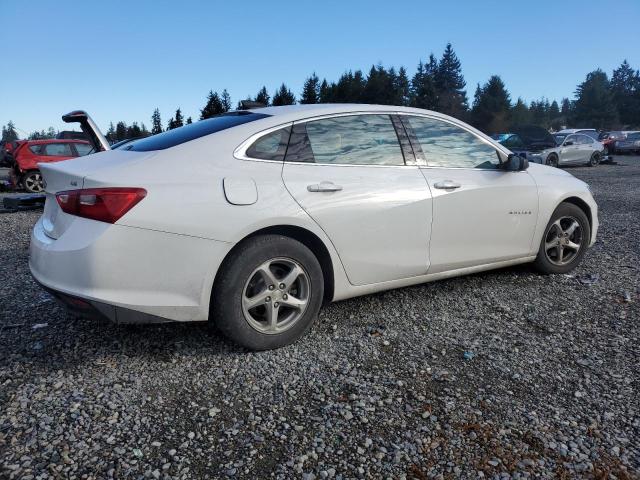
pixel 565 240
pixel 268 292
pixel 33 182
pixel 594 161
pixel 552 160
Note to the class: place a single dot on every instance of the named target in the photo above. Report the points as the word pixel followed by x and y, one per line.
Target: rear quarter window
pixel 174 137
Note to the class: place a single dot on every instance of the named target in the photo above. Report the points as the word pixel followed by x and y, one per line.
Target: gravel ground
pixel 506 374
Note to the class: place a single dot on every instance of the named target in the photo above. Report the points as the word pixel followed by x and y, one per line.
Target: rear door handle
pixel 324 187
pixel 446 185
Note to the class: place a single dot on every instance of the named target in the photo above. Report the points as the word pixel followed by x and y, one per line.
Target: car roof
pixel 569 131
pixel 55 140
pixel 297 112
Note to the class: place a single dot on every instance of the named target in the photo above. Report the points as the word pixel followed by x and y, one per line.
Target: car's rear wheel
pixel 268 292
pixel 552 160
pixel 33 182
pixel 594 161
pixel 565 240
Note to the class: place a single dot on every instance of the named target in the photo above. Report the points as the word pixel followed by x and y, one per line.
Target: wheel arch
pixel 308 239
pixel 582 205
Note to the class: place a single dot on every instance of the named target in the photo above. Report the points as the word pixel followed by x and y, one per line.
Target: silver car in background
pixel 575 149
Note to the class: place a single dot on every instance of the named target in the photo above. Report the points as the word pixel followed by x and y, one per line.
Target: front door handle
pixel 447 185
pixel 324 187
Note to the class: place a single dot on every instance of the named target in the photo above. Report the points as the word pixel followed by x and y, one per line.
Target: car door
pixel 586 147
pixel 481 213
pixel 349 174
pixel 569 152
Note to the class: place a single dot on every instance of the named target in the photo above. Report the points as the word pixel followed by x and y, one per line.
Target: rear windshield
pixel 174 137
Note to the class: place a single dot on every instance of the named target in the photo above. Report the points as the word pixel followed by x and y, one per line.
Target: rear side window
pixel 83 149
pixel 57 150
pixel 347 140
pixel 271 146
pixel 449 146
pixel 174 137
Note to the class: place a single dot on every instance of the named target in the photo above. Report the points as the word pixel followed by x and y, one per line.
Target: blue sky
pixel 120 60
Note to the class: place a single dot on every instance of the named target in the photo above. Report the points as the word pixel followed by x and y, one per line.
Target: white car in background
pixel 253 219
pixel 575 149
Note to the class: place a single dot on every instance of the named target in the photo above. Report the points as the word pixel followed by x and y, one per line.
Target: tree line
pixel 437 84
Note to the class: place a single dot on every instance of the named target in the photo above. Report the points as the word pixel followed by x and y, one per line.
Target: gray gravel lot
pixel 506 374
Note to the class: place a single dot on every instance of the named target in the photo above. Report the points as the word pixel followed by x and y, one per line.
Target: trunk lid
pixel 70 175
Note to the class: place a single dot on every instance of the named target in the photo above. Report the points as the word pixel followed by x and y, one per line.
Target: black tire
pixel 552 160
pixel 595 159
pixel 238 269
pixel 32 182
pixel 543 262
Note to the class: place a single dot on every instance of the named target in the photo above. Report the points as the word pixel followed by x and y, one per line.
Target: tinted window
pixel 57 150
pixel 447 145
pixel 174 137
pixel 353 140
pixel 83 149
pixel 514 141
pixel 271 146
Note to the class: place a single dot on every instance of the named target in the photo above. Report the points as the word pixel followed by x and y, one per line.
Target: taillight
pixel 102 204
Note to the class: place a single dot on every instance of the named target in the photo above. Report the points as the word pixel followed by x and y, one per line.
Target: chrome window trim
pixel 240 153
pixel 490 142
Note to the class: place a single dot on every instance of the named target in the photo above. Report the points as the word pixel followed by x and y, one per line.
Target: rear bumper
pixel 126 274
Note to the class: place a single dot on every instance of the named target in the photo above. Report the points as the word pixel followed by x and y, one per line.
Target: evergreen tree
pixel 226 101
pixel 111 134
pixel 156 122
pixel 401 88
pixel 520 113
pixel 263 97
pixel 240 107
pixel 324 92
pixel 189 121
pixel 134 131
pixel 121 131
pixel 625 87
pixel 143 130
pixel 594 107
pixel 449 83
pixel 566 107
pixel 9 133
pixel 555 119
pixel 379 86
pixel 491 106
pixel 423 88
pixel 178 120
pixel 213 107
pixel 311 90
pixel 283 96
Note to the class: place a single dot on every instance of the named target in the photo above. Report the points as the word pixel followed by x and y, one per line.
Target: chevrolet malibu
pixel 252 219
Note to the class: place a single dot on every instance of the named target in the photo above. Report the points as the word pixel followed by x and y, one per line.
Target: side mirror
pixel 515 163
pixel 566 144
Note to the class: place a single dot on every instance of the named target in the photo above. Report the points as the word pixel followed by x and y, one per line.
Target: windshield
pixel 560 138
pixel 174 137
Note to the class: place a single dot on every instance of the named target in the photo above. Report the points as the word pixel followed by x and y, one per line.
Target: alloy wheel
pixel 563 241
pixel 276 295
pixel 552 161
pixel 595 159
pixel 33 182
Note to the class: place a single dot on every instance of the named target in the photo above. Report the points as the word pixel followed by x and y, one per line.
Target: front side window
pixel 57 150
pixel 83 149
pixel 346 140
pixel 571 139
pixel 271 146
pixel 446 145
pixel 35 149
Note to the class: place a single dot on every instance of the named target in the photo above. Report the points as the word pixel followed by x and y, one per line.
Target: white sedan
pixel 253 219
pixel 574 149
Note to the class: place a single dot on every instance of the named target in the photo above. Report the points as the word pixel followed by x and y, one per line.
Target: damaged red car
pixel 28 154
